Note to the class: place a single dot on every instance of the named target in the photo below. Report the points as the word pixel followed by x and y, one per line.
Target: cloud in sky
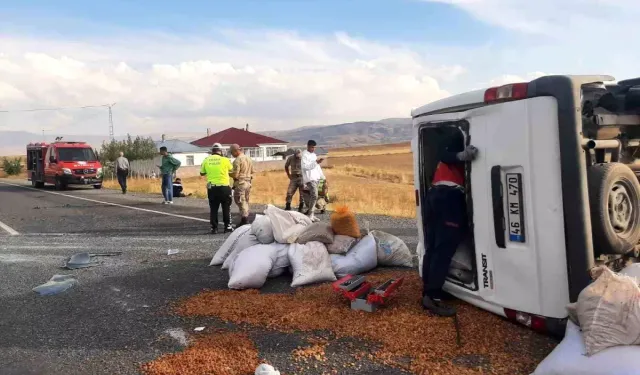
pixel 271 79
pixel 276 79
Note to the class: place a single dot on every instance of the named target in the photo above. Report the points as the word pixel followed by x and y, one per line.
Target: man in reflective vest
pixel 446 220
pixel 216 168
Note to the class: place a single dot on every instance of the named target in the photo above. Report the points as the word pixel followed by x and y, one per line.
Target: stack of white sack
pixel 281 240
pixel 603 333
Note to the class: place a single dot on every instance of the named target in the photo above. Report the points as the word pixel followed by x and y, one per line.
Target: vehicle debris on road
pixel 83 260
pixel 57 284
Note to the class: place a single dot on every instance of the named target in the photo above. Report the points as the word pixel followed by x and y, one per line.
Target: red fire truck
pixel 62 164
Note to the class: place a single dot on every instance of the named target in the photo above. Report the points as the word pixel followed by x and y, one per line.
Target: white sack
pixel 392 251
pixel 265 369
pixel 463 258
pixel 262 229
pixel 287 225
pixel 632 270
pixel 281 262
pixel 608 311
pixel 251 267
pixel 361 258
pixel 341 244
pixel 310 263
pixel 569 358
pixel 244 242
pixel 228 245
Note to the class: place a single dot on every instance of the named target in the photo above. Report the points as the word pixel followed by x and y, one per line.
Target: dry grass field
pixel 367 180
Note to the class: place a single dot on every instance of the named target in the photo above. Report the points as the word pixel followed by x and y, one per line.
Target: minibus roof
pixel 474 99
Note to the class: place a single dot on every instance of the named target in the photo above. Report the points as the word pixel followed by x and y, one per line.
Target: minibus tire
pixel 615 228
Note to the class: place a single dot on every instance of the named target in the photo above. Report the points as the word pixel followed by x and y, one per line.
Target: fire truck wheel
pixel 59 185
pixel 97 186
pixel 614 199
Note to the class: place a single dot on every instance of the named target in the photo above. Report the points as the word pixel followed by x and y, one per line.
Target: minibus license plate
pixel 514 207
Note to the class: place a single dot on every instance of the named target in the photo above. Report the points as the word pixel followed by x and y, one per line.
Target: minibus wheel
pixel 614 200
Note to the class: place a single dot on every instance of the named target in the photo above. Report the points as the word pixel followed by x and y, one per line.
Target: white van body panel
pixel 520 137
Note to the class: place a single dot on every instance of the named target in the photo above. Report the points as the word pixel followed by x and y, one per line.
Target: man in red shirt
pixel 446 220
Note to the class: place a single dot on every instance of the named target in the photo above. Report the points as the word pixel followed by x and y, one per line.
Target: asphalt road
pixel 117 316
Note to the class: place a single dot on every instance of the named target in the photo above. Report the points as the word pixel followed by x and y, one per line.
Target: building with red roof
pixel 259 147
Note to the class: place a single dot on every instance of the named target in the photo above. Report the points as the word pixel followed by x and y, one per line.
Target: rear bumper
pixel 81 180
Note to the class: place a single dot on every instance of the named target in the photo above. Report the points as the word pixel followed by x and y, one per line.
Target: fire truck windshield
pixel 76 154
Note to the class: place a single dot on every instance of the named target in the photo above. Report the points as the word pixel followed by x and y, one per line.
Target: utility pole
pixel 111 135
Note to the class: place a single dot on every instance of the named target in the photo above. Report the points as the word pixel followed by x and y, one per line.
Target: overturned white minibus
pixel 553 192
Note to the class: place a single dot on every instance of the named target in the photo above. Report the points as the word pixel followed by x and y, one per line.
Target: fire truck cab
pixel 553 192
pixel 62 164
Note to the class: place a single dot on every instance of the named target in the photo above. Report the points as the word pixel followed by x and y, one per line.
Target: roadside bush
pixel 12 167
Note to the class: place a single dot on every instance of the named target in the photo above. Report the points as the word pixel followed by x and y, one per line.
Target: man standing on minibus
pixel 446 220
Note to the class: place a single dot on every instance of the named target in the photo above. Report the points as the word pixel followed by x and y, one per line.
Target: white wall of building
pixel 185 158
pixel 261 153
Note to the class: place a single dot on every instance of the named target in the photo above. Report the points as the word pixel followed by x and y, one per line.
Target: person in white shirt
pixel 311 175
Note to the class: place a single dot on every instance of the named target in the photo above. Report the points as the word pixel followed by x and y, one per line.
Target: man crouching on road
pixel 242 175
pixel 446 220
pixel 311 176
pixel 217 168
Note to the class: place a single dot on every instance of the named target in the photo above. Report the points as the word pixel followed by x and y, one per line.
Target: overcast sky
pixel 190 65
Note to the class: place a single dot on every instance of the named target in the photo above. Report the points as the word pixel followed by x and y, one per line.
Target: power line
pixel 111 133
pixel 57 108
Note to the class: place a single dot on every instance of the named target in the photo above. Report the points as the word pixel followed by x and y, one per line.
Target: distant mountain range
pixel 393 130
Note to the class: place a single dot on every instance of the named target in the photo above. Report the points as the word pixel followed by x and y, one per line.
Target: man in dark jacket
pixel 446 220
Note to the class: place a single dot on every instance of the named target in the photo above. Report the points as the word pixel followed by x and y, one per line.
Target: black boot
pixel 244 221
pixel 436 307
pixel 300 207
pixel 287 207
pixel 214 230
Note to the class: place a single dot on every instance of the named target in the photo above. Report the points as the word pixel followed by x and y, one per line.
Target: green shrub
pixel 12 167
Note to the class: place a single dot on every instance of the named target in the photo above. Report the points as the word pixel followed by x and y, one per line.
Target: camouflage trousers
pixel 321 203
pixel 241 194
pixel 295 184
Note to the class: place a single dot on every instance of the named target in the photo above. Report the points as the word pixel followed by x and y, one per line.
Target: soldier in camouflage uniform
pixel 242 175
pixel 293 168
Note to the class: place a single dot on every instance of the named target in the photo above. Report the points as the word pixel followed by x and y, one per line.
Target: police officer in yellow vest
pixel 216 168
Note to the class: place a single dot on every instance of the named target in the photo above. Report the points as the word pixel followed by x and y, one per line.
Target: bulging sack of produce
pixel 262 229
pixel 252 266
pixel 344 222
pixel 361 258
pixel 287 225
pixel 281 263
pixel 319 232
pixel 310 263
pixel 341 244
pixel 229 244
pixel 265 369
pixel 244 242
pixel 608 311
pixel 392 251
pixel 568 358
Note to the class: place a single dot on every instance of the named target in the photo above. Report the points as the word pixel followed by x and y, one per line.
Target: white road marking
pixel 101 202
pixel 8 229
